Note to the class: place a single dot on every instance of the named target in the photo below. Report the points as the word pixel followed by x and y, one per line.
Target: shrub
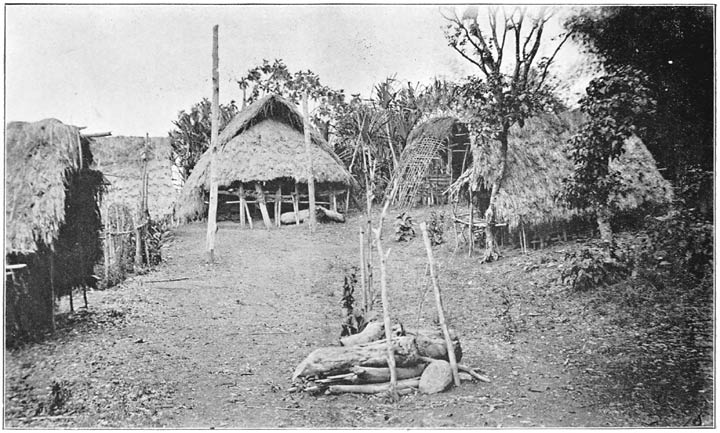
pixel 436 228
pixel 598 264
pixel 404 230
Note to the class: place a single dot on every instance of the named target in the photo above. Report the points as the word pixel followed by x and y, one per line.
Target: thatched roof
pixel 438 128
pixel 39 157
pixel 264 142
pixel 119 158
pixel 538 163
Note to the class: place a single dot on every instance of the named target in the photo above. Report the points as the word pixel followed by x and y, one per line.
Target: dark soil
pixel 194 345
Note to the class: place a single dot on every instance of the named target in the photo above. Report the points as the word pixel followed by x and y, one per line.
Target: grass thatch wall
pixel 119 160
pixel 264 142
pixel 538 163
pixel 52 218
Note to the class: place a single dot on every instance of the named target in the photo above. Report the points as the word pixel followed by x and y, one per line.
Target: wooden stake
pixel 215 125
pixel 308 155
pixel 278 205
pixel 363 269
pixel 386 308
pixel 52 291
pixel 241 197
pixel 438 302
pixel 296 204
pixel 262 205
pixel 247 211
pixel 472 238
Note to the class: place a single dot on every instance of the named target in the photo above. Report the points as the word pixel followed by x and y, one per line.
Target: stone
pixel 437 377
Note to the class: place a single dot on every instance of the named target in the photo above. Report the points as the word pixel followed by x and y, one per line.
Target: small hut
pixel 261 159
pixel 538 163
pixel 437 153
pixel 52 221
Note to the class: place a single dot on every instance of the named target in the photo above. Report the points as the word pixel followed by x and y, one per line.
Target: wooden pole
pixel 52 291
pixel 472 223
pixel 215 111
pixel 296 204
pixel 386 309
pixel 278 205
pixel 438 302
pixel 241 197
pixel 363 269
pixel 263 206
pixel 308 155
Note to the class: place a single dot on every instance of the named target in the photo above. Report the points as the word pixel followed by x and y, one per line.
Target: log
pixel 432 344
pixel 303 215
pixel 372 332
pixel 327 361
pixel 331 215
pixel 372 388
pixel 381 374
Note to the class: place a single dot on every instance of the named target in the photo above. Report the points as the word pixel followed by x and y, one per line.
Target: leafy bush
pixel 597 265
pixel 157 236
pixel 436 228
pixel 404 230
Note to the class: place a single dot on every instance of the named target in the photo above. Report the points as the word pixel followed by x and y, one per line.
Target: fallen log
pixel 381 374
pixel 372 332
pixel 372 388
pixel 432 344
pixel 327 361
pixel 304 215
pixel 461 367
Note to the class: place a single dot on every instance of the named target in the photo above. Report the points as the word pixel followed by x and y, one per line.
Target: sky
pixel 130 69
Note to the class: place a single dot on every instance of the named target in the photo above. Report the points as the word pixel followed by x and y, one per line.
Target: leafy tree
pixel 511 86
pixel 276 79
pixel 618 105
pixel 674 47
pixel 191 136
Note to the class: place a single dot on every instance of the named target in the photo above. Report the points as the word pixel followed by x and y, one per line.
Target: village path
pixel 193 345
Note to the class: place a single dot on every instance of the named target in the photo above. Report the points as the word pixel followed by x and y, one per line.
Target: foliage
pixel 506 93
pixel 673 46
pixel 157 236
pixel 275 78
pixel 191 136
pixel 404 230
pixel 598 264
pixel 618 105
pixel 353 318
pixel 436 228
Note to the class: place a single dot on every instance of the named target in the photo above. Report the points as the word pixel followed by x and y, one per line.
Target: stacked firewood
pixel 360 363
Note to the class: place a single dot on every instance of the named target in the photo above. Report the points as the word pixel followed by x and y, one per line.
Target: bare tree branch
pixel 550 60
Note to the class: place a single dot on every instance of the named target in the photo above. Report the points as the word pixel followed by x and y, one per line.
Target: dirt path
pixel 216 347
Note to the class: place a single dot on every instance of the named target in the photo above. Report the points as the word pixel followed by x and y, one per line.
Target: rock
pixel 437 377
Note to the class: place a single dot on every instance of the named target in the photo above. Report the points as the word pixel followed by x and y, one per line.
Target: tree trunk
pixel 308 155
pixel 214 129
pixel 603 222
pixel 492 251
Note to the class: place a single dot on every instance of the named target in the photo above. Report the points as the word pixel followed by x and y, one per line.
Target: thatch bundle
pixel 263 143
pixel 52 218
pixel 538 162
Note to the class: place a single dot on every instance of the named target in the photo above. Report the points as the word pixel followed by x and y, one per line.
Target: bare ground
pixel 216 347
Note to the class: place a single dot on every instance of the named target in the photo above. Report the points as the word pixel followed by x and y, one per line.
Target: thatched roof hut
pixel 52 219
pixel 437 153
pixel 263 144
pixel 538 163
pixel 120 160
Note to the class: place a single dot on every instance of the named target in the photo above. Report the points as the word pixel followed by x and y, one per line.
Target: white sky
pixel 130 69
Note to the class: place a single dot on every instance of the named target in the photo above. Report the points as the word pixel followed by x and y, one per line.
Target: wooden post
pixel 263 206
pixel 333 201
pixel 215 125
pixel 138 244
pixel 308 155
pixel 472 235
pixel 296 204
pixel 363 269
pixel 438 302
pixel 241 197
pixel 278 205
pixel 52 291
pixel 249 216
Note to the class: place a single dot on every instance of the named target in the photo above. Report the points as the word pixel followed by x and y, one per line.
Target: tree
pixel 191 136
pixel 617 105
pixel 512 86
pixel 674 47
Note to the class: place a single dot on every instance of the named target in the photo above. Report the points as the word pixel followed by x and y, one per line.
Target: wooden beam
pixel 241 196
pixel 308 155
pixel 296 204
pixel 278 205
pixel 97 134
pixel 263 206
pixel 214 128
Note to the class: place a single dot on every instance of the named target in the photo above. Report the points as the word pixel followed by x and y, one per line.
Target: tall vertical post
pixel 212 211
pixel 310 175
